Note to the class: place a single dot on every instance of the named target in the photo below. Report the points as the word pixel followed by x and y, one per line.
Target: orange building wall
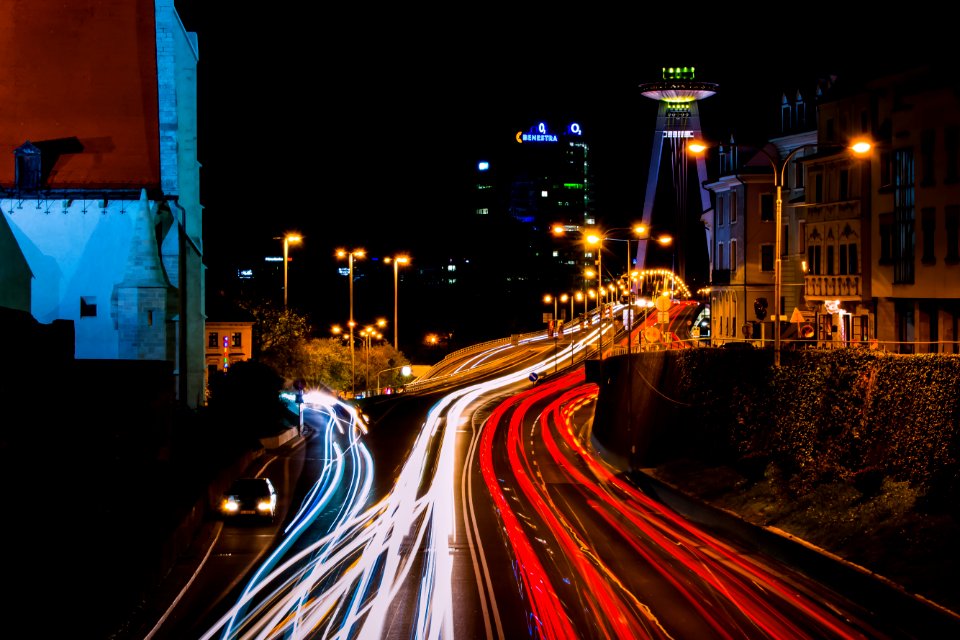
pixel 83 69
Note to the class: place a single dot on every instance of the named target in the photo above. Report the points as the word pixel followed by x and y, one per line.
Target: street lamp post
pixel 404 370
pixel 288 239
pixel 597 239
pixel 563 298
pixel 350 255
pixel 548 298
pixel 779 173
pixel 397 261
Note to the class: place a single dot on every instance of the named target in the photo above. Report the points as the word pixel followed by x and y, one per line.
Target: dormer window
pixel 27 167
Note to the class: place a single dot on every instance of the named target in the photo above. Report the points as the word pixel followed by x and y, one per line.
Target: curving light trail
pixel 351 565
pixel 731 596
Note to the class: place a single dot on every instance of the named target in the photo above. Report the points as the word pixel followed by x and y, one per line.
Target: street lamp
pixel 288 239
pixel 368 333
pixel 405 370
pixel 859 148
pixel 350 255
pixel 547 299
pixel 397 261
pixel 597 239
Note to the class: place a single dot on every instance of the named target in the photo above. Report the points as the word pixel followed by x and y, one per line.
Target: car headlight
pixel 229 505
pixel 264 506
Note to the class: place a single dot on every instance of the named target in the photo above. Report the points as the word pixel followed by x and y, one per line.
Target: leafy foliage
pixel 846 415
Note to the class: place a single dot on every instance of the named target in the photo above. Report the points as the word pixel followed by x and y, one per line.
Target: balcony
pixel 832 287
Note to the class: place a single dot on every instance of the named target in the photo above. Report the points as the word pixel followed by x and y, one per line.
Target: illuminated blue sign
pixel 540 133
pixel 483 165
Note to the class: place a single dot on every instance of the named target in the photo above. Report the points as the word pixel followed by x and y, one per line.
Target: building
pixel 101 222
pixel 742 226
pixel 833 227
pixel 227 343
pixel 914 206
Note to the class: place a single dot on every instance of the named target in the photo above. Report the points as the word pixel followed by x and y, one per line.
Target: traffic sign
pixel 534 376
pixel 663 303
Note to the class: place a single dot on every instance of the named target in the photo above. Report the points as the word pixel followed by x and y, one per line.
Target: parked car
pixel 249 498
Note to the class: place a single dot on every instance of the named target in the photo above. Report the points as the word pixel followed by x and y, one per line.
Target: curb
pixel 889 602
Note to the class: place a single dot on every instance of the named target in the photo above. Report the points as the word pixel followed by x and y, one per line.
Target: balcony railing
pixel 844 287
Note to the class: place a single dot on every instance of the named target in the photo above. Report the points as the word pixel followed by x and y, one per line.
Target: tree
pixel 326 362
pixel 278 335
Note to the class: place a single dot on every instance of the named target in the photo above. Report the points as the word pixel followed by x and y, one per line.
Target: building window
pixel 733 255
pixel 766 207
pixel 237 339
pixel 88 306
pixel 830 252
pixel 951 143
pixel 721 208
pixel 844 184
pixel 853 260
pixel 928 223
pixel 904 233
pixel 813 259
pixel 927 145
pixel 886 238
pixel 733 207
pixel 952 224
pixel 719 256
pixel 886 169
pixel 766 257
pixel 213 340
pixel 149 317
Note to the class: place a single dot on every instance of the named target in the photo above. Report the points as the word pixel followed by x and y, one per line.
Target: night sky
pixel 363 130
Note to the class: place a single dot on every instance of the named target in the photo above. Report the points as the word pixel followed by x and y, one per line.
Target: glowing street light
pixel 547 299
pixel 405 370
pixel 350 255
pixel 368 333
pixel 288 239
pixel 397 261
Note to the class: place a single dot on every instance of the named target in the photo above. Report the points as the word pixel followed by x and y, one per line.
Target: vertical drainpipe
pixel 182 366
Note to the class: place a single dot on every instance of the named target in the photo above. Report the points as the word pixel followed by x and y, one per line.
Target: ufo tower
pixel 666 207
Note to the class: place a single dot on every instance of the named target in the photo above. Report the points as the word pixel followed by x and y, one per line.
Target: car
pixel 249 498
